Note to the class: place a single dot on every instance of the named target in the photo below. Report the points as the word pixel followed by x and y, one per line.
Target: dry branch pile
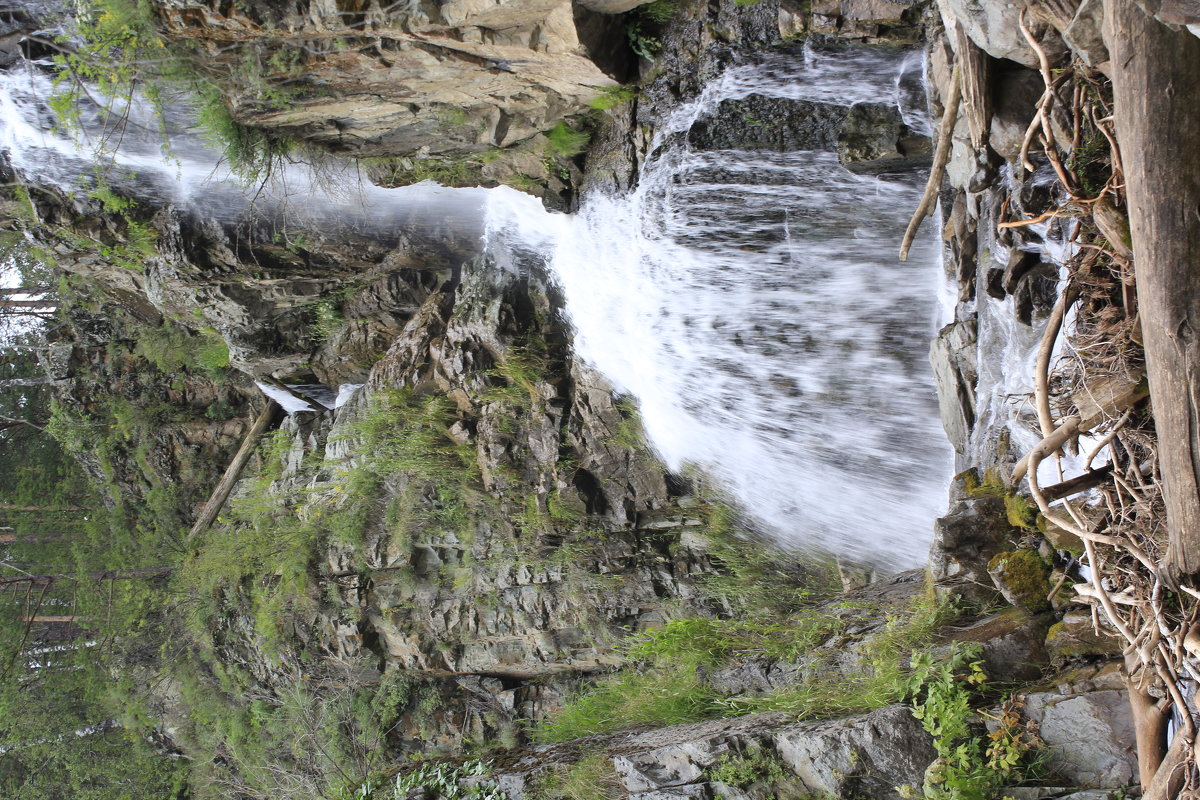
pixel 1098 389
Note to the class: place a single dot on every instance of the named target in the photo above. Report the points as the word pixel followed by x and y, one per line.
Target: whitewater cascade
pixel 190 173
pixel 753 304
pixel 750 301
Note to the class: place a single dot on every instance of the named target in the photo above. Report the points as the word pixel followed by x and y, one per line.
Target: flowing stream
pixel 751 301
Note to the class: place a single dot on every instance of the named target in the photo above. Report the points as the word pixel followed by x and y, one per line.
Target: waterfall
pixel 188 172
pixel 753 304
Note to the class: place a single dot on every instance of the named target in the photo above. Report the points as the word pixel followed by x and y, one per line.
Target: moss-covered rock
pixel 1076 637
pixel 1021 513
pixel 1023 578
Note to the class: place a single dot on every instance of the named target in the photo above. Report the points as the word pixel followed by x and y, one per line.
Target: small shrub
pixel 970 765
pixel 563 141
pixel 445 780
pixel 741 770
pixel 327 320
pixel 612 96
pixel 642 21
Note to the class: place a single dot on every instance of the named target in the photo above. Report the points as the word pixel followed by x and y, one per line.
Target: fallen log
pixel 220 494
pixel 1080 483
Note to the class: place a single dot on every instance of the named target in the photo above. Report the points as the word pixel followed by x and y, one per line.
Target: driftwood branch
pixel 940 158
pixel 1080 483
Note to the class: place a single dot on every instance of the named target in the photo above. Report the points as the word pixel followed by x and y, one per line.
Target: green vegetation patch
pixel 611 97
pixel 665 685
pixel 172 348
pixel 743 770
pixel 446 780
pixel 116 53
pixel 593 777
pixel 563 141
pixel 972 764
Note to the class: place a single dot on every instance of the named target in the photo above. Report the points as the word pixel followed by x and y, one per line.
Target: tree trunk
pixel 1156 89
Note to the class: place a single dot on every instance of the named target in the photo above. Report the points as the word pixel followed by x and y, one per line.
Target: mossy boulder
pixel 1023 578
pixel 1020 511
pixel 974 530
pixel 1076 637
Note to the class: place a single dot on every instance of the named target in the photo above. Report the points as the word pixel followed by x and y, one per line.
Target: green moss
pixel 1063 645
pixel 1025 578
pixel 992 484
pixel 1021 514
pixel 612 96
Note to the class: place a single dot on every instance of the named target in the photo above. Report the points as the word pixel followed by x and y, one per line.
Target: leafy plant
pixel 741 770
pixel 446 781
pixel 970 765
pixel 642 21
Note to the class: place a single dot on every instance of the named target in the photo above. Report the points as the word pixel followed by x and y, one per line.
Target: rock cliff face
pixel 371 78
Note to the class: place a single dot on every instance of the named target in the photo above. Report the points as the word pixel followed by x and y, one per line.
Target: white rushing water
pixel 1007 358
pixel 754 305
pixel 752 302
pixel 130 154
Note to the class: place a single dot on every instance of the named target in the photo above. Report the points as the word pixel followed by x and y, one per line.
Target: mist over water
pixel 751 301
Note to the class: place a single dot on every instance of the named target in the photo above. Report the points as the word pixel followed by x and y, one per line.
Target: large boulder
pixel 1088 728
pixel 868 755
pixel 993 25
pixel 449 79
pixel 757 122
pixel 965 540
pixel 875 139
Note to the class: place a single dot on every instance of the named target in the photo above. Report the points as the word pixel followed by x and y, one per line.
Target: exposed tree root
pixel 940 159
pixel 1122 523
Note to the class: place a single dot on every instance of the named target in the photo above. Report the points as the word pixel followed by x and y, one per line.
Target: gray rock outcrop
pixel 868 755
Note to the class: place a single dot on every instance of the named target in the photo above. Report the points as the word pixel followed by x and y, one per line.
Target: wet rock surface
pixel 874 139
pixel 769 123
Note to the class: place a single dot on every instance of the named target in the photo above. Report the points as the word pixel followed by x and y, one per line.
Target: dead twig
pixel 940 159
